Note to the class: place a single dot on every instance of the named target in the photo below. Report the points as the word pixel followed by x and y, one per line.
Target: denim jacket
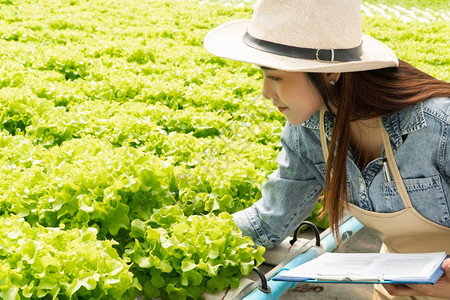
pixel 420 141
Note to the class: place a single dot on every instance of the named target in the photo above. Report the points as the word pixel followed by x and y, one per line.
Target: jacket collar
pixel 397 125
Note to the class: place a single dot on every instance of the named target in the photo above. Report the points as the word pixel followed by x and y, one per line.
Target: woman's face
pixel 293 93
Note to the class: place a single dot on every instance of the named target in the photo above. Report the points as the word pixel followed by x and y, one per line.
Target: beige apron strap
pixel 323 136
pixel 394 168
pixel 389 154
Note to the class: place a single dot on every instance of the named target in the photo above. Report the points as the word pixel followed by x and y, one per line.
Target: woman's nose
pixel 267 89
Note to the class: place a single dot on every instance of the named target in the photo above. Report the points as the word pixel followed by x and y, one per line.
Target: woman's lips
pixel 280 108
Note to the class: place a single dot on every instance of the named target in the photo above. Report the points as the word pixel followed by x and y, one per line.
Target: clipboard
pixel 414 268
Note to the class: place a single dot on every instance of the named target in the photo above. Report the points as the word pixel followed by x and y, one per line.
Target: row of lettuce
pixel 119 166
pixel 165 214
pixel 125 147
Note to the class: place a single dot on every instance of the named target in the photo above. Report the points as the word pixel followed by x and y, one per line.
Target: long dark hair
pixel 366 95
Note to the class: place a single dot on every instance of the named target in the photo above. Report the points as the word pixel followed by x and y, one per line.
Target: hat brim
pixel 226 41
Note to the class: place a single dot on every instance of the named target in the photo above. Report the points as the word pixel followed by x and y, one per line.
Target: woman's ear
pixel 332 77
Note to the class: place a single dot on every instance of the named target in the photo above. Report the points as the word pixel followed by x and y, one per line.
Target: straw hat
pixel 302 35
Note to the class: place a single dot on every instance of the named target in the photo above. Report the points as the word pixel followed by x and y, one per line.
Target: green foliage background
pixel 119 132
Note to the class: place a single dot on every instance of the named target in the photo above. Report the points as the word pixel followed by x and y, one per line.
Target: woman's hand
pixel 440 289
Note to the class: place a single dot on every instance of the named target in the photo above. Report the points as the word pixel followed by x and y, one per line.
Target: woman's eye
pixel 273 78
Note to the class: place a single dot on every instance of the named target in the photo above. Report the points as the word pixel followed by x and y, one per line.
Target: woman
pixel 386 123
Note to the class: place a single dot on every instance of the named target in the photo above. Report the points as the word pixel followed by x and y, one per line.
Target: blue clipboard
pixel 358 279
pixel 353 277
